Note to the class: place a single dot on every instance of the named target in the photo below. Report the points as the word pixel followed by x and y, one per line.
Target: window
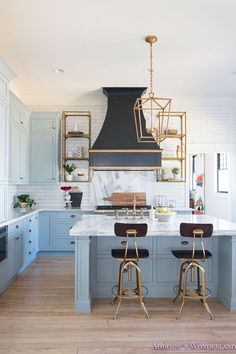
pixel 222 173
pixel 193 173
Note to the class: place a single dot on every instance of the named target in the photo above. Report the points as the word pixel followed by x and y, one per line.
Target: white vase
pixel 69 178
pixel 23 205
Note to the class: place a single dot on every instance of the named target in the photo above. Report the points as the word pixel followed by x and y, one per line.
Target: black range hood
pixel 116 147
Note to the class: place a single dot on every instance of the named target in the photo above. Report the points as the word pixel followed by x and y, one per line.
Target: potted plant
pixel 175 171
pixel 69 169
pixel 24 201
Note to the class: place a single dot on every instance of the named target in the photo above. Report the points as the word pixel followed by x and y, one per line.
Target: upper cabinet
pixel 5 76
pixel 19 141
pixel 44 147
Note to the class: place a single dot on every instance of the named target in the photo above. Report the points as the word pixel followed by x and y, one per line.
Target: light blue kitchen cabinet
pixel 44 143
pixel 31 239
pixel 19 153
pixel 15 253
pixel 43 166
pixel 3 273
pixel 19 113
pixel 62 223
pixel 3 141
pixel 19 141
pixel 45 231
pixel 54 230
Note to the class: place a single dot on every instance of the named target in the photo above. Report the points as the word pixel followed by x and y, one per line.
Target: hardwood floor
pixel 36 316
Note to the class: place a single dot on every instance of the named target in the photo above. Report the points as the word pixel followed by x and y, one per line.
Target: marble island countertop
pixel 101 225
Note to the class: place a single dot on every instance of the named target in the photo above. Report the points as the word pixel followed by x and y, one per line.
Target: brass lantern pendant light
pixel 151 113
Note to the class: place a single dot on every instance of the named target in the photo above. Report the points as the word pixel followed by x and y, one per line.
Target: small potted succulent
pixel 24 201
pixel 69 169
pixel 175 171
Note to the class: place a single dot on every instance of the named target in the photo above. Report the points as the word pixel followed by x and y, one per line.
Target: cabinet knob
pixel 17 226
pixel 184 243
pixel 30 220
pixel 21 122
pixel 21 177
pixel 72 216
pixel 72 242
pixel 30 241
pixel 30 253
pixel 17 238
pixel 53 178
pixel 30 230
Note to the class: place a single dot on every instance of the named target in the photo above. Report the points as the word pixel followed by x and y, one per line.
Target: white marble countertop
pixel 18 214
pixel 101 225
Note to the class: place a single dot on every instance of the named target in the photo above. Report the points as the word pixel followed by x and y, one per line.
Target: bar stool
pixel 198 232
pixel 129 258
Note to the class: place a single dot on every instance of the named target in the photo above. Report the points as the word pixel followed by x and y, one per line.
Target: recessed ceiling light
pixel 58 71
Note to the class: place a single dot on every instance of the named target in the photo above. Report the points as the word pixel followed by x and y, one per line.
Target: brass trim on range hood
pixel 125 150
pixel 124 168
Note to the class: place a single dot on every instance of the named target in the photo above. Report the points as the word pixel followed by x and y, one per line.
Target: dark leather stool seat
pixel 187 254
pixel 131 253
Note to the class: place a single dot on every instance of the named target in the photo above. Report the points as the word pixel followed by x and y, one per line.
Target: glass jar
pixel 160 200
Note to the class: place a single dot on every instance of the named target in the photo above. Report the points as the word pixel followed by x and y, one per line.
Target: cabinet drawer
pixel 65 244
pixel 31 222
pixel 12 228
pixel 166 244
pixel 105 244
pixel 65 216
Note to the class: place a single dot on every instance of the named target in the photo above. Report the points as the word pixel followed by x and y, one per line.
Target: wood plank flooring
pixel 37 316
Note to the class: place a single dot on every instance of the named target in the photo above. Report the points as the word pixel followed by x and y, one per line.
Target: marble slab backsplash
pixel 103 184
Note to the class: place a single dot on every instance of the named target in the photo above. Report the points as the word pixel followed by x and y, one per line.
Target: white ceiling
pixel 101 43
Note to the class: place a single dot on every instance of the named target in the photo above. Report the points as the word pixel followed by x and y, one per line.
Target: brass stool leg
pixel 204 294
pixel 116 297
pixel 184 292
pixel 139 283
pixel 120 290
pixel 180 284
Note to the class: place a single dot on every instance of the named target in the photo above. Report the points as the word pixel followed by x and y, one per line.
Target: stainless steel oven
pixel 3 243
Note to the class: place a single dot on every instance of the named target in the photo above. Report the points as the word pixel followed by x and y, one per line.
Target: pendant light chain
pixel 151 93
pixel 151 113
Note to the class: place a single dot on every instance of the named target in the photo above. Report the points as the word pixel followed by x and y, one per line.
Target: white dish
pixel 165 217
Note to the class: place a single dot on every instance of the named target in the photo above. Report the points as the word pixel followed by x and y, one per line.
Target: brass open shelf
pixel 84 136
pixel 178 120
pixel 82 119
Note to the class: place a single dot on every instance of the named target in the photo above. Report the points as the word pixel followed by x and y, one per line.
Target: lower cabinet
pixel 160 272
pixel 15 253
pixel 22 248
pixel 54 228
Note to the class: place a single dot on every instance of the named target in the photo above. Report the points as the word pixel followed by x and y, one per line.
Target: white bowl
pixel 165 217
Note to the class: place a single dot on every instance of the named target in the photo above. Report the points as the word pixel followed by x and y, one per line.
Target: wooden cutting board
pixel 127 198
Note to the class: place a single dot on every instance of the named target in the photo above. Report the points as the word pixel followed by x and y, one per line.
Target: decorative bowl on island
pixel 165 214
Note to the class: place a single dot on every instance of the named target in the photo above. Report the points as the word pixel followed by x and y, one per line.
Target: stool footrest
pixel 191 293
pixel 132 291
